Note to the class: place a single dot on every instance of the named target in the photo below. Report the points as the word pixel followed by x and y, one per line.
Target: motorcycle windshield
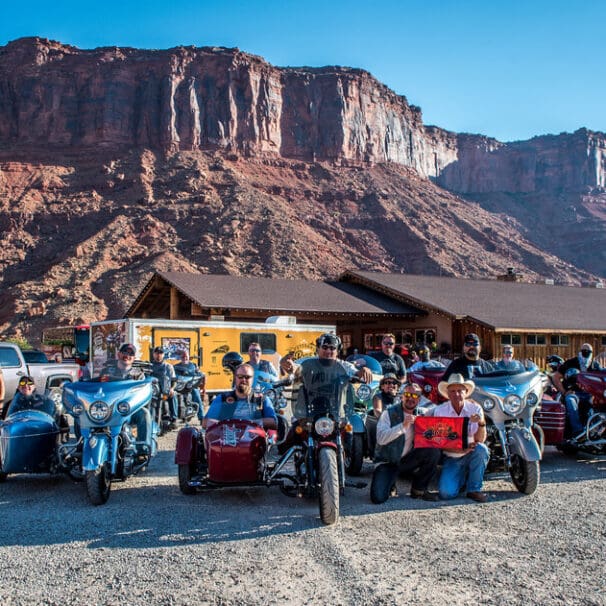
pixel 360 360
pixel 325 393
pixel 505 369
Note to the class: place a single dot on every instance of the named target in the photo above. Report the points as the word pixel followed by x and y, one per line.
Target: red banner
pixel 441 432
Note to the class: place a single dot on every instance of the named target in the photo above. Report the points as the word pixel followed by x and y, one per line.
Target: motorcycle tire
pixel 329 485
pixel 185 475
pixel 3 475
pixel 525 474
pixel 354 455
pixel 98 484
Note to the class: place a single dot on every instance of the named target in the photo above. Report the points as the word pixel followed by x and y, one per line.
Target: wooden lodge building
pixel 537 319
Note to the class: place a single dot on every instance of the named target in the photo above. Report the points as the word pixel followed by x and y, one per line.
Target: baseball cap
pixel 159 349
pixel 128 349
pixel 471 339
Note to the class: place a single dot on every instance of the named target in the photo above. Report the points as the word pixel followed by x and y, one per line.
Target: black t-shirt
pixel 393 363
pixel 468 368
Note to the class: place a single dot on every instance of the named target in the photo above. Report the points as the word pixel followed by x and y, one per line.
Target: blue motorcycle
pixel 106 414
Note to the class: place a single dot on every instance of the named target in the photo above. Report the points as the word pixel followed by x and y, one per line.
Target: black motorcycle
pixel 187 409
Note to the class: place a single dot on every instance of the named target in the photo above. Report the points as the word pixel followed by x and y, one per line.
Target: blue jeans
pixel 195 396
pixel 571 400
pixel 468 469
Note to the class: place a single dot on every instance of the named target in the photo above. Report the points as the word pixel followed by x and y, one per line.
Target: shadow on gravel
pixel 149 511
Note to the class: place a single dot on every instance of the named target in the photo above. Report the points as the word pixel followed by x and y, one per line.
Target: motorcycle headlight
pixel 99 410
pixel 364 391
pixel 532 399
pixel 512 405
pixel 123 407
pixel 427 388
pixel 324 426
pixel 488 403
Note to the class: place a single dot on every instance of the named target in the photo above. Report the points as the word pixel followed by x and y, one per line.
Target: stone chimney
pixel 511 276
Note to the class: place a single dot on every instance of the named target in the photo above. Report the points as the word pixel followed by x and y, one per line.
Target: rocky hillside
pixel 115 162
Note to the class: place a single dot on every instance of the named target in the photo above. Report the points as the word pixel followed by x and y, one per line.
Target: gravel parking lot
pixel 152 545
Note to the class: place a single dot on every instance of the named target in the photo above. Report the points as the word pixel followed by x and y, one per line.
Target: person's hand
pixel 408 420
pixel 365 374
pixel 476 418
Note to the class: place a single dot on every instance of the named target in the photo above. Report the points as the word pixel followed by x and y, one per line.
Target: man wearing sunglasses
pixel 396 453
pixel 390 362
pixel 240 403
pixel 470 363
pixel 386 396
pixel 26 399
pixel 270 374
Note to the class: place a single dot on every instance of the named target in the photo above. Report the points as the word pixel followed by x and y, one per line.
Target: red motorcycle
pixel 552 416
pixel 428 378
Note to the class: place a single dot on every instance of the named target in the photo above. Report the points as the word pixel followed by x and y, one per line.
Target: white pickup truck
pixel 46 375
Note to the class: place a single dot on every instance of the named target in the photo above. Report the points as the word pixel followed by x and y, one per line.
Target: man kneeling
pixel 397 454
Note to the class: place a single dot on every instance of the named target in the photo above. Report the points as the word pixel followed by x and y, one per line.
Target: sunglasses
pixel 389 383
pixel 412 396
pixel 471 343
pixel 331 347
pixel 255 350
pixel 24 382
pixel 244 377
pixel 389 343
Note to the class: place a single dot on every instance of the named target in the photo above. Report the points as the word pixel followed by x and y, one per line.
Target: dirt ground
pixel 152 545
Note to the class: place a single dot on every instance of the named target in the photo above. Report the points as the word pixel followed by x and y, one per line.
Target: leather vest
pixel 392 452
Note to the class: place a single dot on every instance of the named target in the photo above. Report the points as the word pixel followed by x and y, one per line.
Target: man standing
pixel 470 363
pixel 270 374
pixel 390 362
pixel 240 404
pixel 463 468
pixel 165 373
pixel 567 386
pixel 396 451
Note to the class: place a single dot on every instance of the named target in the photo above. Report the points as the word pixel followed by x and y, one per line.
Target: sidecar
pixel 428 379
pixel 29 442
pixel 230 453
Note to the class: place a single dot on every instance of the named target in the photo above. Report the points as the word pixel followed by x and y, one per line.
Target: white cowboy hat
pixel 456 379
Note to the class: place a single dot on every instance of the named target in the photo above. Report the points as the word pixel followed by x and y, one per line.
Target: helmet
pixel 554 362
pixel 232 360
pixel 571 374
pixel 328 339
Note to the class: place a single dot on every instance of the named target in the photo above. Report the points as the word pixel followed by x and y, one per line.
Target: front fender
pixel 95 451
pixel 357 423
pixel 523 443
pixel 188 445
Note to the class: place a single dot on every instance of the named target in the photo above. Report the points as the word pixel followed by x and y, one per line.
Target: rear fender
pixel 523 443
pixel 188 445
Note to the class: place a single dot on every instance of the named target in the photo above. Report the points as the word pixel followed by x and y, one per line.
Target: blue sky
pixel 507 69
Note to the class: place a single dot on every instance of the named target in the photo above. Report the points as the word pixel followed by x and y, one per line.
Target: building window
pixel 425 336
pixel 603 341
pixel 267 341
pixel 511 339
pixel 346 341
pixel 563 340
pixel 536 340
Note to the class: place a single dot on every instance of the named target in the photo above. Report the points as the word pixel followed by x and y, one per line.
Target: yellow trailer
pixel 206 341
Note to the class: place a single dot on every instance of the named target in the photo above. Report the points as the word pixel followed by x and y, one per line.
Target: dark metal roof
pixel 501 305
pixel 275 295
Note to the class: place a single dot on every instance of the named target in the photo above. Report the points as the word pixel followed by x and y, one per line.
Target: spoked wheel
pixel 98 484
pixel 329 485
pixel 525 474
pixel 185 475
pixel 354 455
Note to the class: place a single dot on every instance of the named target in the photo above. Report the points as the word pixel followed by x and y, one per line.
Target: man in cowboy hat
pixel 470 363
pixel 397 454
pixel 463 468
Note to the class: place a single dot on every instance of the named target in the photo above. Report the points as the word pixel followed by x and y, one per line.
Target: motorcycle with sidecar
pixel 111 448
pixel 427 378
pixel 509 397
pixel 551 416
pixel 37 440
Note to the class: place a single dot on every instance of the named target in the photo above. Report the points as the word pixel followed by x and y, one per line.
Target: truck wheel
pixel 524 474
pixel 354 455
pixel 98 484
pixel 185 475
pixel 329 485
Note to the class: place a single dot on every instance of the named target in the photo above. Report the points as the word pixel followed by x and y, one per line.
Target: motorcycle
pixel 187 409
pixel 509 397
pixel 111 449
pixel 357 442
pixel 274 391
pixel 37 441
pixel 428 378
pixel 552 416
